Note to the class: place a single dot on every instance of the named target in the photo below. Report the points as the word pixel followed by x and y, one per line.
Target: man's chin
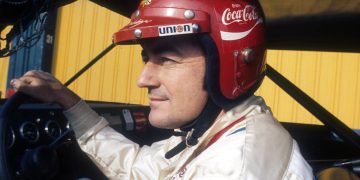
pixel 161 126
pixel 157 121
pixel 161 122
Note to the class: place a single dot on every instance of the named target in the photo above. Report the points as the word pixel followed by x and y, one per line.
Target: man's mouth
pixel 156 99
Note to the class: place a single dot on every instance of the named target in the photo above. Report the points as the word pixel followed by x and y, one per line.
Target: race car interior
pixel 37 141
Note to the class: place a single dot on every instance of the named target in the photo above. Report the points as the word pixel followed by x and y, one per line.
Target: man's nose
pixel 149 76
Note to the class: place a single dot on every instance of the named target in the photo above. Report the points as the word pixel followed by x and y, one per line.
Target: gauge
pixel 10 138
pixel 29 132
pixel 53 129
pixel 68 126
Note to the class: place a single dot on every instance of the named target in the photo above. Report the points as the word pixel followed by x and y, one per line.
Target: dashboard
pixel 36 125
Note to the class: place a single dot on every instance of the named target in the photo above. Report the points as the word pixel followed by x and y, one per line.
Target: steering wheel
pixel 40 162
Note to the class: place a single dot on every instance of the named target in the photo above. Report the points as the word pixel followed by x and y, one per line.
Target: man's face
pixel 174 75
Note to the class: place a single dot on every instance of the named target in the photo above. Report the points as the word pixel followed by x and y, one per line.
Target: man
pixel 203 61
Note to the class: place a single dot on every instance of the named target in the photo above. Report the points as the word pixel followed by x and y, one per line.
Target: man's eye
pixel 164 60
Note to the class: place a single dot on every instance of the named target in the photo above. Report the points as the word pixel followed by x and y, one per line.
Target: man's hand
pixel 45 87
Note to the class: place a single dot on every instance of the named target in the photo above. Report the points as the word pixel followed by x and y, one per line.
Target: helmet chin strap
pixel 194 130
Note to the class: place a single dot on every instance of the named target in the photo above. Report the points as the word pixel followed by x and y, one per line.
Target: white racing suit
pixel 246 142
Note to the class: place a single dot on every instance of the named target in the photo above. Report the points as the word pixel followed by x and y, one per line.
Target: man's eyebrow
pixel 167 48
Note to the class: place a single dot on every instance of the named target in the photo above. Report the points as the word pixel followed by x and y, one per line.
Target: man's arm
pixel 115 155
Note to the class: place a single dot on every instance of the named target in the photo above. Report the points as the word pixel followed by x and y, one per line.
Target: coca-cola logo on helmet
pixel 239 14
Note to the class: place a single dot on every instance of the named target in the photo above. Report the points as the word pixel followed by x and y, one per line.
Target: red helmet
pixel 235 27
